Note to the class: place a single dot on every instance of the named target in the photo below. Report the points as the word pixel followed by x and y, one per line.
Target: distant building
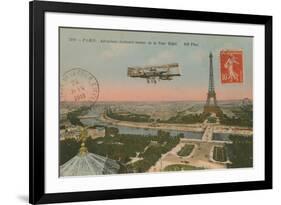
pixel 96 132
pixel 70 133
pixel 153 143
pixel 246 101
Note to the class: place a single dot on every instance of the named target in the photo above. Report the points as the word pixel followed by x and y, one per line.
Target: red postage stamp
pixel 231 65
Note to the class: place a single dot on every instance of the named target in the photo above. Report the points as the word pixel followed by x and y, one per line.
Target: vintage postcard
pixel 143 101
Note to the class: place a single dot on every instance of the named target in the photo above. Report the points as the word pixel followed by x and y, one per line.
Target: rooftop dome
pixel 86 163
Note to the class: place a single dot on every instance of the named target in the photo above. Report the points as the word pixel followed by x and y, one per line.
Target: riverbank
pixel 158 126
pixel 198 127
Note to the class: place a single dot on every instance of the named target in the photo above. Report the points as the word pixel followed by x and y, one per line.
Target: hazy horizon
pixel 154 101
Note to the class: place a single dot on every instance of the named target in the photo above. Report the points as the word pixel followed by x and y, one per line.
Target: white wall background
pixel 14 93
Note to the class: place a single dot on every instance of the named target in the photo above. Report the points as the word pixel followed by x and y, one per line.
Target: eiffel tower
pixel 211 108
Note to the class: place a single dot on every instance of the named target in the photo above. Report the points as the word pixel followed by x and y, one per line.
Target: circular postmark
pixel 79 85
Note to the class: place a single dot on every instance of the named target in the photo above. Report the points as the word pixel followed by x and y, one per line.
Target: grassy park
pixel 219 154
pixel 240 152
pixel 181 167
pixel 186 150
pixel 124 147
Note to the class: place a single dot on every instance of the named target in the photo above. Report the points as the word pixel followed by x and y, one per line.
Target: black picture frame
pixel 37 9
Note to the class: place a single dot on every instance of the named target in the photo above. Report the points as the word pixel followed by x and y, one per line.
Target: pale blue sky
pixel 109 61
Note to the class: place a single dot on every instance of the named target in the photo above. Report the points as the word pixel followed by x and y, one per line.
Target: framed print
pixel 140 102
